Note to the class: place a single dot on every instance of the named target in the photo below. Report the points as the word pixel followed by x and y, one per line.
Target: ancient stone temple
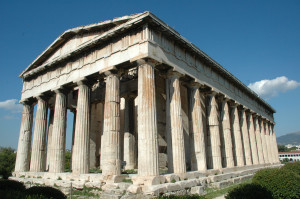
pixel 143 98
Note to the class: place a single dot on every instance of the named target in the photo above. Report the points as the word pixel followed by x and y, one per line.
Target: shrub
pixel 7 161
pixel 49 192
pixel 11 185
pixel 295 167
pixel 249 191
pixel 282 183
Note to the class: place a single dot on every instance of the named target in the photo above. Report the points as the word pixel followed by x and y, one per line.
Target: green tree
pixel 292 148
pixel 7 161
pixel 282 148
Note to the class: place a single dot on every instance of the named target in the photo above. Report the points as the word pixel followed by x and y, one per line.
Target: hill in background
pixel 290 138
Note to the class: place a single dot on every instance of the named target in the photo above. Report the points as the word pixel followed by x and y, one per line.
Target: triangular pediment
pixel 73 39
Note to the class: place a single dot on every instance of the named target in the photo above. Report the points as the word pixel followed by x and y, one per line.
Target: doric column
pixel 258 141
pixel 95 133
pixel 111 155
pixel 176 124
pixel 38 152
pixel 23 153
pixel 147 121
pixel 197 129
pixel 225 119
pixel 246 141
pixel 129 138
pixel 80 157
pixel 276 158
pixel 252 138
pixel 263 140
pixel 214 132
pixel 269 151
pixel 49 137
pixel 238 152
pixel 58 143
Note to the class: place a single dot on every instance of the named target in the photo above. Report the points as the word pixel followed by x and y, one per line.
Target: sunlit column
pixel 23 153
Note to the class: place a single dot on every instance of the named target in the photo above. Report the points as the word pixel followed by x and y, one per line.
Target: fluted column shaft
pixel 268 143
pixel 147 122
pixel 49 137
pixel 214 132
pixel 111 155
pixel 80 157
pixel 263 141
pixel 252 139
pixel 58 143
pixel 276 158
pixel 197 130
pixel 246 141
pixel 237 137
pixel 95 133
pixel 176 124
pixel 129 138
pixel 23 153
pixel 38 153
pixel 228 148
pixel 259 142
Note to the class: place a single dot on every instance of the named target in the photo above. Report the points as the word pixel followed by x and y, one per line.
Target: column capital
pixel 27 101
pixel 42 96
pixel 243 108
pixel 212 93
pixel 263 119
pixel 233 104
pixel 174 73
pixel 60 89
pixel 148 61
pixel 129 96
pixel 223 98
pixel 194 84
pixel 82 81
pixel 114 72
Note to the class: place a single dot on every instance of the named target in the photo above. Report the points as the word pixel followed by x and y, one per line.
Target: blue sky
pixel 254 40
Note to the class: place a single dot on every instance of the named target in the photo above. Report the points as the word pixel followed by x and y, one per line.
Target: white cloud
pixel 271 88
pixel 11 105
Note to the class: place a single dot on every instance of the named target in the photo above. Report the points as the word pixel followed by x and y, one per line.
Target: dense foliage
pixel 13 189
pixel 7 161
pixel 283 183
pixel 12 194
pixel 11 185
pixel 249 191
pixel 295 167
pixel 48 192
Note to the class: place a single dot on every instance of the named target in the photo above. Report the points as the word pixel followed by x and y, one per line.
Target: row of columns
pixel 220 136
pixel 110 143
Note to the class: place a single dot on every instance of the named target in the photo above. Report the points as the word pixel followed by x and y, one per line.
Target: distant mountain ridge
pixel 290 138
